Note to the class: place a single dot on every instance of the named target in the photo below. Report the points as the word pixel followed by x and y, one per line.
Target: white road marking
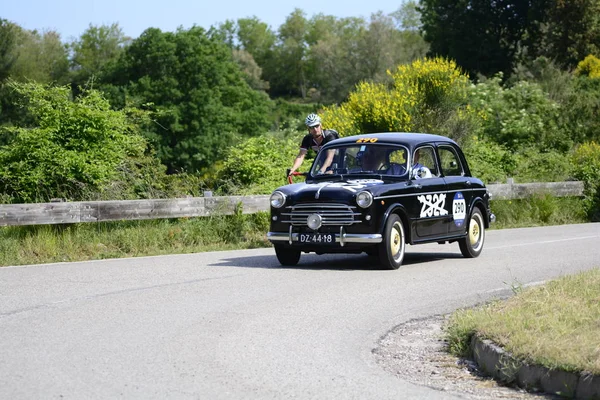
pixel 542 242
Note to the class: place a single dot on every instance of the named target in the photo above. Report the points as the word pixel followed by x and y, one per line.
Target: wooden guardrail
pixel 102 211
pixel 511 190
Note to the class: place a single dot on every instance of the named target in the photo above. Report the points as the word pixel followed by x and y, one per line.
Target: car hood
pixel 334 191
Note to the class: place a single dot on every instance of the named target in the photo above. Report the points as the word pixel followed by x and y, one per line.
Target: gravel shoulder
pixel 415 352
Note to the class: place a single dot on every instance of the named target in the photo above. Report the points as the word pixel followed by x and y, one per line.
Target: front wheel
pixel 472 244
pixel 287 256
pixel 391 250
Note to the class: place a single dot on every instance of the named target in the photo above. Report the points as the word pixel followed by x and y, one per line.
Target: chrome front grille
pixel 331 214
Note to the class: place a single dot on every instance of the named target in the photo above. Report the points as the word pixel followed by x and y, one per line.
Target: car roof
pixel 406 138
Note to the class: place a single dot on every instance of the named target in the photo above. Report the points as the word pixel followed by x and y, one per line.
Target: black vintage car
pixel 379 192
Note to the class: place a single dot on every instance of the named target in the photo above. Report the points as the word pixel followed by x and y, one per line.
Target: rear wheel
pixel 391 250
pixel 287 256
pixel 472 244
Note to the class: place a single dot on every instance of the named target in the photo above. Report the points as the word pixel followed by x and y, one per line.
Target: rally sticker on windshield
pixel 459 209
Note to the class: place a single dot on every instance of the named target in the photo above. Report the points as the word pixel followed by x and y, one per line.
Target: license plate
pixel 317 238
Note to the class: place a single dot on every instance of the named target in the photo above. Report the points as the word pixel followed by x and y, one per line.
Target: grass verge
pixel 78 242
pixel 555 325
pixel 538 210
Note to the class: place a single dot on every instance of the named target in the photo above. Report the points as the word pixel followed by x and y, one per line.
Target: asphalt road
pixel 233 325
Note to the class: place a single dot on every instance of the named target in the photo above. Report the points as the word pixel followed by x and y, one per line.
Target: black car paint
pixel 391 194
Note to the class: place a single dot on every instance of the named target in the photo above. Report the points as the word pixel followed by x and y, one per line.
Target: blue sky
pixel 70 18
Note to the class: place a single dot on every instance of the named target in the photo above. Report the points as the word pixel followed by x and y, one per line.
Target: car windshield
pixel 361 158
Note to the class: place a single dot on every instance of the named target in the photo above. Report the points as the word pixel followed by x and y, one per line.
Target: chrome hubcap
pixel 396 241
pixel 474 232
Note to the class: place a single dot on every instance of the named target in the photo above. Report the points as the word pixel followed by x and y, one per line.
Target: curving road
pixel 232 325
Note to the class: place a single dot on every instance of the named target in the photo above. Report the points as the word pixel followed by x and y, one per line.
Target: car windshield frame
pixel 352 158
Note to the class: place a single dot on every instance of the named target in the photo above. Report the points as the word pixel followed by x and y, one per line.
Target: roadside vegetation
pixel 554 325
pixel 171 114
pixel 36 244
pixel 22 245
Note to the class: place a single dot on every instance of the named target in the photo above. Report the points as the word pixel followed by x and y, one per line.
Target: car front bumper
pixel 341 238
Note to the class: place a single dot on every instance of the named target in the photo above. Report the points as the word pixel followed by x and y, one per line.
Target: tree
pixel 572 31
pixel 256 38
pixel 8 43
pixel 41 57
pixel 482 36
pixel 252 72
pixel 197 92
pixel 346 51
pixel 408 22
pixel 287 74
pixel 251 42
pixel 333 58
pixel 97 46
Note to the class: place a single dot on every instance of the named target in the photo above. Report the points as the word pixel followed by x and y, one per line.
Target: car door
pixel 459 188
pixel 429 206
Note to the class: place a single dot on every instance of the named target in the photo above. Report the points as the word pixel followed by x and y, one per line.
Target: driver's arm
pixel 328 161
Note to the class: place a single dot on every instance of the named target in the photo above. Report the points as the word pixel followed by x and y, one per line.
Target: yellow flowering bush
pixel 590 67
pixel 428 95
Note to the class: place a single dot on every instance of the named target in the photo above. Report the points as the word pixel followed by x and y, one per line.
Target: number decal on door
pixel 433 205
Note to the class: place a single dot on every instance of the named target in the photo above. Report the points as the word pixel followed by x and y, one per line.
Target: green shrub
pixel 518 116
pixel 582 110
pixel 586 164
pixel 74 147
pixel 257 165
pixel 287 114
pixel 535 166
pixel 489 161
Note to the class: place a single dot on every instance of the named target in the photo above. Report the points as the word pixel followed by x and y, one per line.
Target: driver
pixel 376 159
pixel 373 159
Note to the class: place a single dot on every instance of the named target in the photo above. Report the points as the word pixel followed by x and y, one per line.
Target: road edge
pixel 501 365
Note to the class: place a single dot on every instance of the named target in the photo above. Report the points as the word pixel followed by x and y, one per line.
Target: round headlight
pixel 364 199
pixel 314 221
pixel 277 199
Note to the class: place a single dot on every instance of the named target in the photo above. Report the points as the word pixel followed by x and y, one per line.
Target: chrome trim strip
pixel 320 205
pixel 327 214
pixel 370 238
pixel 421 193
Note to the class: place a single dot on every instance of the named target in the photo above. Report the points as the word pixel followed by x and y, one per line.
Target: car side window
pixel 450 162
pixel 425 157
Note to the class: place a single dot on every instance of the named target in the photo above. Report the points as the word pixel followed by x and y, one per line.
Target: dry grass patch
pixel 555 325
